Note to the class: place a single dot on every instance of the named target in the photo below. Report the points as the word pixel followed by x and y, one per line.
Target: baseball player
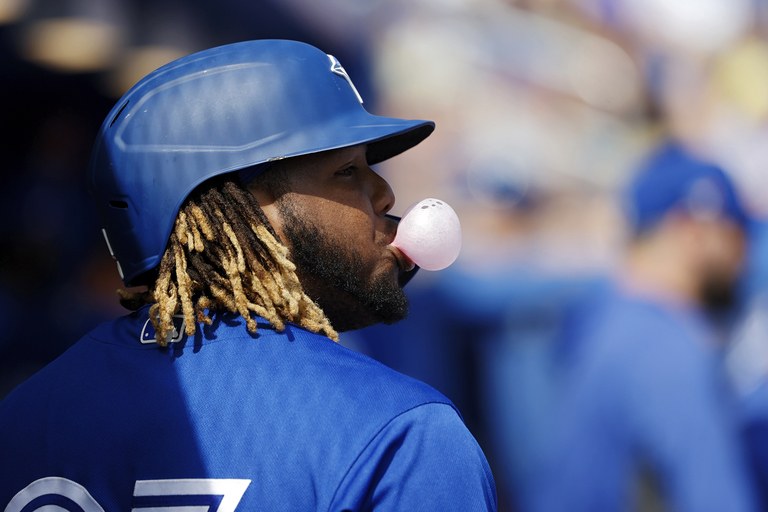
pixel 237 198
pixel 642 401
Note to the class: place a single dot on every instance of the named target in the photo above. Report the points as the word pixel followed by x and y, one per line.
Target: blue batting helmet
pixel 218 111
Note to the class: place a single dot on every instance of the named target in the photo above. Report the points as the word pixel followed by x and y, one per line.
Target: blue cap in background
pixel 673 179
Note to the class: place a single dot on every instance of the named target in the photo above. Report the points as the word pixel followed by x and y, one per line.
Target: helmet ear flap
pixel 219 111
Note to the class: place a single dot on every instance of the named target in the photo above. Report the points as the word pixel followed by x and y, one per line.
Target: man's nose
pixel 382 198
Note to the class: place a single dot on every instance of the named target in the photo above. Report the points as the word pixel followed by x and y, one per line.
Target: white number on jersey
pixel 179 495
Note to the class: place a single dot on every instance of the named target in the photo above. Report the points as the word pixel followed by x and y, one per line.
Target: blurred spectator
pixel 642 396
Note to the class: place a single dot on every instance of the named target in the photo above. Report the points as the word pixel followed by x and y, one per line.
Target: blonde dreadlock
pixel 223 255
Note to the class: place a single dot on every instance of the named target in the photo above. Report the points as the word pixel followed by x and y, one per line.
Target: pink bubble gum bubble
pixel 429 234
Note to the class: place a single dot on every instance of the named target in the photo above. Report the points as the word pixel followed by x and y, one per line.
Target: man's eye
pixel 347 171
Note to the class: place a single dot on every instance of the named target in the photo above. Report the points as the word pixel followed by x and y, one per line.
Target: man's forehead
pixel 300 167
pixel 345 153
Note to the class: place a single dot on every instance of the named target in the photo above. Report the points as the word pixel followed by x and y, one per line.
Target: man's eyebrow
pixel 346 157
pixel 347 162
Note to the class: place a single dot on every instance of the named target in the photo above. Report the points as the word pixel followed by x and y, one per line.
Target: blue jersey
pixel 644 390
pixel 227 420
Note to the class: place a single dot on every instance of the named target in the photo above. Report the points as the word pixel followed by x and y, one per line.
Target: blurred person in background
pixel 642 395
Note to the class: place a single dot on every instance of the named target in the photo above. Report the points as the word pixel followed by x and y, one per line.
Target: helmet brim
pixel 394 143
pixel 385 137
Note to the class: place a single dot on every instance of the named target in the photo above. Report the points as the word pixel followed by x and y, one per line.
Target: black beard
pixel 349 298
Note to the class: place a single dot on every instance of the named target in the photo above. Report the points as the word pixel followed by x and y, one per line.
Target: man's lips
pixel 403 261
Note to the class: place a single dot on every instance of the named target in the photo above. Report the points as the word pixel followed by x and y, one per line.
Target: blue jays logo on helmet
pixel 337 68
pixel 219 111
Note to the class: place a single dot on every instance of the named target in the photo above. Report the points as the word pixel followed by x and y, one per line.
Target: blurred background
pixel 544 109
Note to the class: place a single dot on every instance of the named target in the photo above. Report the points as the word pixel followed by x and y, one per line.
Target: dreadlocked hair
pixel 223 255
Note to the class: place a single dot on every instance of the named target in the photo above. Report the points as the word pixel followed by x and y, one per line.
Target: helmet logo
pixel 338 69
